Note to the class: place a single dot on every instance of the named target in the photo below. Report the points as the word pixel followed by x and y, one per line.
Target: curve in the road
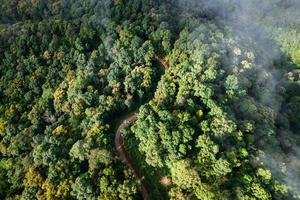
pixel 119 141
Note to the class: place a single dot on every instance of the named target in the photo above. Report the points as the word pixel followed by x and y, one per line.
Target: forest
pixel 149 99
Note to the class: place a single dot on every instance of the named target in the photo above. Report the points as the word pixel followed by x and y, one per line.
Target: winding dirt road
pixel 119 141
pixel 164 63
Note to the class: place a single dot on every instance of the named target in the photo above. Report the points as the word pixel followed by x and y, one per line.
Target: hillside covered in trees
pixel 202 97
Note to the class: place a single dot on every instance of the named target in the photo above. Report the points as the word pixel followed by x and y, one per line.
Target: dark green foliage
pixel 69 69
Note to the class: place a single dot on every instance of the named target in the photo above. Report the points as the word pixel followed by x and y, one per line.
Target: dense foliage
pixel 222 122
